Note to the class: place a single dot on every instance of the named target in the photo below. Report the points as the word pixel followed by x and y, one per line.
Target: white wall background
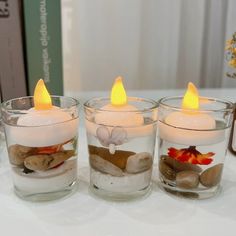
pixel 152 43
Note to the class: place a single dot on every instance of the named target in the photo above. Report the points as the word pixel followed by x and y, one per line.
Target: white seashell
pixel 118 136
pixel 103 135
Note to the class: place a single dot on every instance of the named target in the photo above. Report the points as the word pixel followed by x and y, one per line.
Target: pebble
pixel 18 153
pixel 190 195
pixel 43 162
pixel 139 162
pixel 104 166
pixel 187 179
pixel 180 166
pixel 166 170
pixel 211 176
pixel 119 158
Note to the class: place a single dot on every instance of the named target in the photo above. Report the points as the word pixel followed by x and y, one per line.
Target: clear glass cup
pixel 193 146
pixel 2 139
pixel 42 147
pixel 121 144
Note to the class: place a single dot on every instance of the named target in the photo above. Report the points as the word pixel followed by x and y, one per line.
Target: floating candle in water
pixel 190 125
pixel 43 112
pixel 45 124
pixel 119 112
pixel 190 117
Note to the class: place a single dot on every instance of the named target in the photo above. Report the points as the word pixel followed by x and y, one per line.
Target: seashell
pixel 118 136
pixel 103 135
pixel 43 162
pixel 18 153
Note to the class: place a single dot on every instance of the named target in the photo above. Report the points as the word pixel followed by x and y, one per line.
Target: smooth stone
pixel 189 195
pixel 18 153
pixel 180 166
pixel 166 170
pixel 104 166
pixel 119 158
pixel 211 176
pixel 139 162
pixel 187 179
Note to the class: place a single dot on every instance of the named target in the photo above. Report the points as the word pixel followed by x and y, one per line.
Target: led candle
pixel 116 115
pixel 189 117
pixel 43 125
pixel 190 126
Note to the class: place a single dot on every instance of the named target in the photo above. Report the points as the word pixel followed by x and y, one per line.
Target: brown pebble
pixel 180 166
pixel 18 153
pixel 44 162
pixel 211 176
pixel 119 158
pixel 190 195
pixel 166 170
pixel 187 179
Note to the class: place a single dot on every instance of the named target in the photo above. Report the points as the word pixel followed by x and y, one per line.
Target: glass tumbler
pixel 193 146
pixel 121 143
pixel 42 147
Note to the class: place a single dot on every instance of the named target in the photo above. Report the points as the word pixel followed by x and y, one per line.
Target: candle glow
pixel 183 126
pixel 58 125
pixel 191 98
pixel 118 94
pixel 118 112
pixel 42 99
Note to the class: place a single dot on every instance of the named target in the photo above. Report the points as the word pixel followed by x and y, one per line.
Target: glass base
pixel 191 194
pixel 111 196
pixel 47 196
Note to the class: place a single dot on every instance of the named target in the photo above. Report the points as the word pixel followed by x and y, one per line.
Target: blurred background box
pixel 42 25
pixel 12 68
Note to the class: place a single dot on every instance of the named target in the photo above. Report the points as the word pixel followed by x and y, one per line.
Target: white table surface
pixel 85 215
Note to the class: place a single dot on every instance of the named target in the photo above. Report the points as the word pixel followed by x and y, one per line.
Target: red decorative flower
pixel 190 155
pixel 48 150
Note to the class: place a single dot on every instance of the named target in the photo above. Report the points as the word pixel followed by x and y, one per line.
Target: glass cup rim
pixel 161 103
pixel 4 107
pixel 99 99
pixel 3 104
